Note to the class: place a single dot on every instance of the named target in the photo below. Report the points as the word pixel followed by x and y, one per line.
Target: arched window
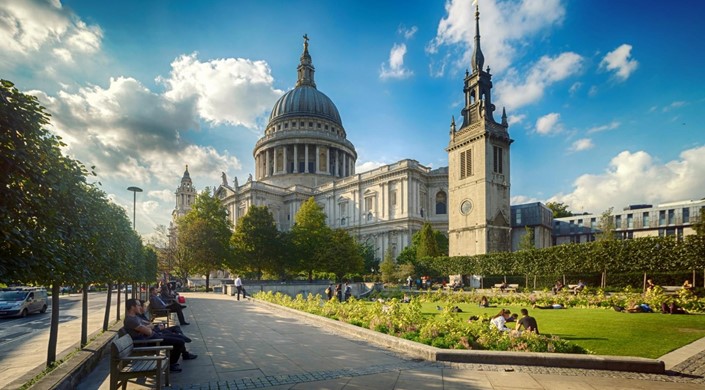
pixel 441 202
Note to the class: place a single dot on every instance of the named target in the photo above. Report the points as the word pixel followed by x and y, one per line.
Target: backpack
pixel 328 291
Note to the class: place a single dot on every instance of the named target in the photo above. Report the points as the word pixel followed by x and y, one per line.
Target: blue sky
pixel 606 99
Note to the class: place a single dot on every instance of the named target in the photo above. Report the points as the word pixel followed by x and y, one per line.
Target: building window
pixel 593 223
pixel 325 127
pixel 630 221
pixel 466 164
pixel 286 125
pixel 662 217
pixel 310 124
pixel 686 215
pixel 369 202
pixel 580 223
pixel 618 222
pixel 441 202
pixel 518 217
pixel 393 198
pixel 301 124
pixel 671 217
pixel 497 159
pixel 646 222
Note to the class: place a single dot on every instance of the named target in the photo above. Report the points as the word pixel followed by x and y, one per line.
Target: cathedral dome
pixel 305 101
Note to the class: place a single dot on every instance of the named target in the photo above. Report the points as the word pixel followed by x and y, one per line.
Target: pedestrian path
pixel 242 345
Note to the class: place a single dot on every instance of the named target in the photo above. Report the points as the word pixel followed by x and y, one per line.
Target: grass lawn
pixel 607 332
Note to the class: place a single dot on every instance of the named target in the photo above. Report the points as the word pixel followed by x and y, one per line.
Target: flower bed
pixel 406 320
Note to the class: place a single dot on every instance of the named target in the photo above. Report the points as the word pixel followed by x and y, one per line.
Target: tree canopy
pixel 559 209
pixel 257 244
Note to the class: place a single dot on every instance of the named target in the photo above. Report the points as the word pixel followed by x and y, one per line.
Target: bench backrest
pixel 121 347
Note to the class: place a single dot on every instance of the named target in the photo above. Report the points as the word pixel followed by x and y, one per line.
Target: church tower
pixel 185 196
pixel 478 168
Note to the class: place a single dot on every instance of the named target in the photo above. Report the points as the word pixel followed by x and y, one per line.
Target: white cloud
pixel 149 205
pixel 593 91
pixel 674 105
pixel 368 166
pixel 163 195
pixel 407 33
pixel 130 133
pixel 610 126
pixel 575 87
pixel 505 25
pixel 522 199
pixel 549 124
pixel 620 62
pixel 639 178
pixel 236 91
pixel 394 68
pixel 36 32
pixel 582 144
pixel 516 90
pixel 514 119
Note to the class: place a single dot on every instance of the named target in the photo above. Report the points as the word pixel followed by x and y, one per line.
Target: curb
pixel 69 374
pixel 427 352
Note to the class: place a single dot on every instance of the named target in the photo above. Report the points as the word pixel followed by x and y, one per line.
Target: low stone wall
pixel 294 289
pixel 563 360
pixel 69 374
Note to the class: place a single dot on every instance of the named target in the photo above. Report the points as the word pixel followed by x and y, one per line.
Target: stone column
pixel 306 158
pixel 266 162
pixel 274 161
pixel 345 165
pixel 316 169
pixel 296 159
pixel 284 163
pixel 328 161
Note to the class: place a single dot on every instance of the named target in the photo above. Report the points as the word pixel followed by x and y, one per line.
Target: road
pixel 24 341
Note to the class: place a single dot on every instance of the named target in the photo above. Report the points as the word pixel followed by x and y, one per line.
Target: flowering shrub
pixel 444 330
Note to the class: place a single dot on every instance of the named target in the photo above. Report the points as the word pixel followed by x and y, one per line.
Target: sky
pixel 605 98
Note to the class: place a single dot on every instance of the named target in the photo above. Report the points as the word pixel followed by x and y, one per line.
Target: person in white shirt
pixel 500 320
pixel 240 288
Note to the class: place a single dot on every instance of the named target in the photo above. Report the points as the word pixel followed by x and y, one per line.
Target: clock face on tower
pixel 466 207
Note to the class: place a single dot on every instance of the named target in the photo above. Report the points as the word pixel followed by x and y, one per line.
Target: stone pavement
pixel 243 345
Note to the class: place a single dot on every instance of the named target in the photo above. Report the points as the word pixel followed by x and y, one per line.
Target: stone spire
pixel 478 60
pixel 305 68
pixel 504 117
pixel 187 177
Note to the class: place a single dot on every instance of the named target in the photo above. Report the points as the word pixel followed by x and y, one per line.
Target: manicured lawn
pixel 606 332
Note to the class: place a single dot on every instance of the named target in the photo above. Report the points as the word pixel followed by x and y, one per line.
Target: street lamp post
pixel 134 190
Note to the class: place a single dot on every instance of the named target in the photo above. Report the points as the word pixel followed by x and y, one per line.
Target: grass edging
pixel 426 352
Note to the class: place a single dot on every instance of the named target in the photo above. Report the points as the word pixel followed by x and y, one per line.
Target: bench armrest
pixel 143 358
pixel 155 348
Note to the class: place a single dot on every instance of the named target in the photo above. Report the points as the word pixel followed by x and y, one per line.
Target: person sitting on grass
pixel 528 322
pixel 557 287
pixel 649 284
pixel 672 308
pixel 639 308
pixel 499 321
pixel 484 302
pixel 579 287
pixel 551 306
pixel 687 285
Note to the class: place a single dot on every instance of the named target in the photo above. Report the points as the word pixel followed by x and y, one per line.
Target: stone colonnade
pixel 304 158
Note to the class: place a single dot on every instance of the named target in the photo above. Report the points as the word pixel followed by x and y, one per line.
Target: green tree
pixel 343 254
pixel 527 241
pixel 388 268
pixel 309 234
pixel 606 227
pixel 699 225
pixel 204 233
pixel 410 253
pixel 427 247
pixel 559 209
pixel 371 262
pixel 257 244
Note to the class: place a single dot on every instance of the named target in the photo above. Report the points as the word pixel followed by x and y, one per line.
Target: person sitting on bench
pixel 139 331
pixel 156 302
pixel 159 327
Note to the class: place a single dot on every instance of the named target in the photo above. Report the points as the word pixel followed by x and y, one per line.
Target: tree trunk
pixel 106 318
pixel 644 290
pixel 208 278
pixel 84 316
pixel 534 282
pixel 118 301
pixel 54 326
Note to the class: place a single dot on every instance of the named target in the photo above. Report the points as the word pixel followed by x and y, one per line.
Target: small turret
pixel 504 118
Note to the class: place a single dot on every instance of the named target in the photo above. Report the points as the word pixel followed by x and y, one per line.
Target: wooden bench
pixel 130 362
pixel 671 290
pixel 157 313
pixel 510 287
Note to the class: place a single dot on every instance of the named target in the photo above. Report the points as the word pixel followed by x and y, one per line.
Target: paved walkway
pixel 242 345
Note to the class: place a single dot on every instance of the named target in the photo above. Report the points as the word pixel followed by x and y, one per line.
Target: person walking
pixel 240 288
